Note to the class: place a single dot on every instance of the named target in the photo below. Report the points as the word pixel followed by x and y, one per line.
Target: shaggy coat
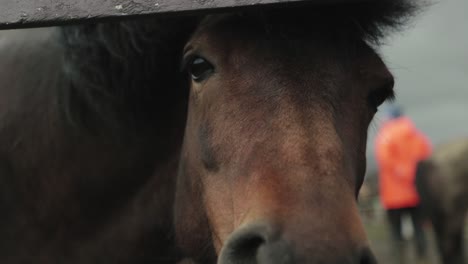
pixel 92 121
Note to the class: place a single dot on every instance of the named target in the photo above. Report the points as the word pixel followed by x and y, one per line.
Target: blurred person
pixel 399 148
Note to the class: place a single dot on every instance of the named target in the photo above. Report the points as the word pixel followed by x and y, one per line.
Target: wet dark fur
pixel 91 124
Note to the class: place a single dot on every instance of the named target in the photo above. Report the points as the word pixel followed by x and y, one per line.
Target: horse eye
pixel 379 96
pixel 200 69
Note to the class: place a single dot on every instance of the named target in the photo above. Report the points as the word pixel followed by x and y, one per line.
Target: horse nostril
pixel 245 250
pixel 243 245
pixel 367 257
pixel 256 244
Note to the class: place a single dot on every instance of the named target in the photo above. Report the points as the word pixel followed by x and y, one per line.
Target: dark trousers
pixel 395 217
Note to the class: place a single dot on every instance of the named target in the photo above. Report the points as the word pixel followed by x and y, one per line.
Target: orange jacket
pixel 399 147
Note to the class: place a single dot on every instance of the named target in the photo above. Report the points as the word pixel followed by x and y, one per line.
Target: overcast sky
pixel 430 64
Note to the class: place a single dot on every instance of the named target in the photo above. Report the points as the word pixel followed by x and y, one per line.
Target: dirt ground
pixel 377 229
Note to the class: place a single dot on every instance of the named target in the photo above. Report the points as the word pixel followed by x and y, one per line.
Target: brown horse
pixel 253 153
pixel 442 182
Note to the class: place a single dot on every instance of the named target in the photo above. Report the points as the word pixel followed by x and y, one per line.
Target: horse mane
pixel 122 73
pixel 126 73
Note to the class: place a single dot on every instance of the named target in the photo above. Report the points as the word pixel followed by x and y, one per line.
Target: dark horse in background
pixel 442 182
pixel 230 138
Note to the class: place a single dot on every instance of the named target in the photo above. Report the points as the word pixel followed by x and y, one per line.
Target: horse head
pixel 274 149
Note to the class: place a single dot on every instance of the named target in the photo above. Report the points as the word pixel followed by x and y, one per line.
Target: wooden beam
pixel 33 13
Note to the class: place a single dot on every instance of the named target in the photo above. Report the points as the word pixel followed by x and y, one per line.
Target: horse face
pixel 274 150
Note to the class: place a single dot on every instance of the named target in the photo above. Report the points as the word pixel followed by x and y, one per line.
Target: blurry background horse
pixel 442 182
pixel 233 138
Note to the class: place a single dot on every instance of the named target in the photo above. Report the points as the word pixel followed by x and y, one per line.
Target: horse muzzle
pixel 260 243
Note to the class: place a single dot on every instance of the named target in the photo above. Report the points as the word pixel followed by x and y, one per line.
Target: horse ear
pixel 191 223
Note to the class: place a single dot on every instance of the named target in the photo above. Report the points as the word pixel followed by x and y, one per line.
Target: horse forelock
pixel 377 18
pixel 368 20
